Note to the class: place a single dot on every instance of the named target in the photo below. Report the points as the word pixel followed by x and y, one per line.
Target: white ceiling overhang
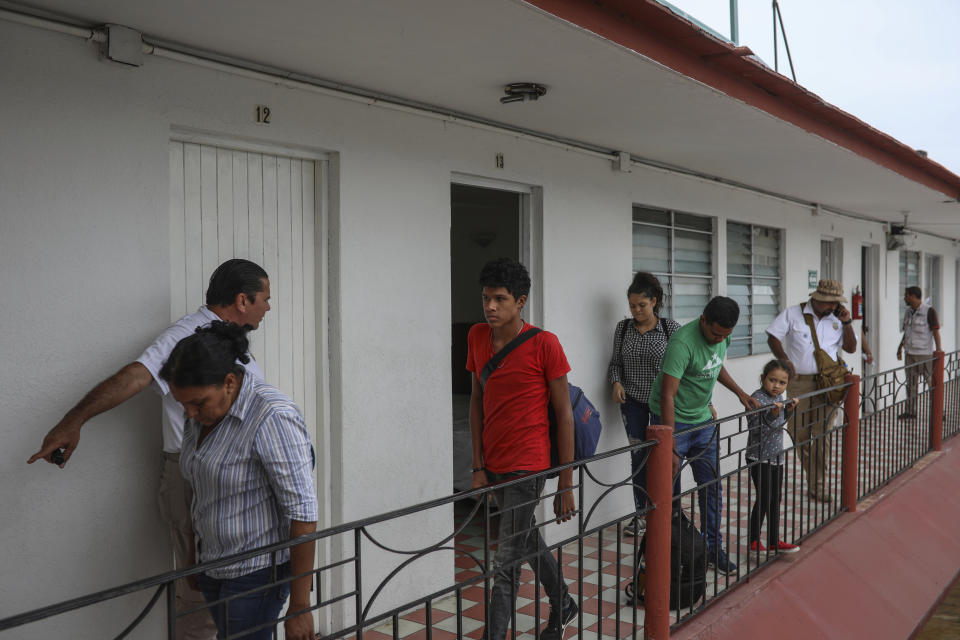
pixel 458 54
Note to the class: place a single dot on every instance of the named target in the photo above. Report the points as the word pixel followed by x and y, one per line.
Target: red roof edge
pixel 656 32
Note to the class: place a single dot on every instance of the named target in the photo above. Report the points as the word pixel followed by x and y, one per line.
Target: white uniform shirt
pixel 791 329
pixel 156 355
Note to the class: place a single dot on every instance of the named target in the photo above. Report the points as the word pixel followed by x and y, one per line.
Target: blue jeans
pixel 250 610
pixel 636 418
pixel 519 537
pixel 700 448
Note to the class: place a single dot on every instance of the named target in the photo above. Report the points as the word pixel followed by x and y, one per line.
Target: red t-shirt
pixel 516 430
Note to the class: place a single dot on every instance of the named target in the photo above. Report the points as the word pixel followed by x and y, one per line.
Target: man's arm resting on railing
pixel 113 391
pixel 301 561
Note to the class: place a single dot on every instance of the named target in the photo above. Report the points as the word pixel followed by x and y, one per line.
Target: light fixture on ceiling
pixel 522 91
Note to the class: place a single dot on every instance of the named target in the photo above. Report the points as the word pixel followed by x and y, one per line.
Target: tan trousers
pixel 175 497
pixel 809 428
pixel 914 374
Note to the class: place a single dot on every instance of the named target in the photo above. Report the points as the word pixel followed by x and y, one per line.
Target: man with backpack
pixel 921 332
pixel 509 426
pixel 680 398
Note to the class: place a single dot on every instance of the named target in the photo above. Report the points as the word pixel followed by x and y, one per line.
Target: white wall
pixel 84 264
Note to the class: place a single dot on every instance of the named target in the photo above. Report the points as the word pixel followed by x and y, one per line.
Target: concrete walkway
pixel 872 574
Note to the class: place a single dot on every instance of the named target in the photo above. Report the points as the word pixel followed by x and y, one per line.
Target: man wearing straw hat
pixel 789 338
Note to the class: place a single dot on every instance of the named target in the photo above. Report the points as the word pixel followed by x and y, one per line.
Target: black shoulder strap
pixel 623 331
pixel 498 357
pixel 663 325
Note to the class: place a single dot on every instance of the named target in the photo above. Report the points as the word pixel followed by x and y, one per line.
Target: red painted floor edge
pixel 871 574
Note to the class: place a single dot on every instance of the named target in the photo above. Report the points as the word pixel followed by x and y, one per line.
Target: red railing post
pixel 656 622
pixel 851 444
pixel 936 397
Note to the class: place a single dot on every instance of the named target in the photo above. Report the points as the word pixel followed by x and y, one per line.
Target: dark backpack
pixel 688 565
pixel 586 418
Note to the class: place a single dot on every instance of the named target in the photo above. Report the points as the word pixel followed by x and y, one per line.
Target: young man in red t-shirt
pixel 511 439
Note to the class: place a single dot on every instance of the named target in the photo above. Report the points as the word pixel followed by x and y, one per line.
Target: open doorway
pixel 485 223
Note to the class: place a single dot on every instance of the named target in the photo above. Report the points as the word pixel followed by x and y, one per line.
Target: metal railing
pixel 951 392
pixel 742 480
pixel 895 423
pixel 373 580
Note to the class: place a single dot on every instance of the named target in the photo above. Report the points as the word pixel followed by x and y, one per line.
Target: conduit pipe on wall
pixel 247 69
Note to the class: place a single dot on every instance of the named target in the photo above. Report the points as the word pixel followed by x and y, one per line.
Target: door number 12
pixel 263 114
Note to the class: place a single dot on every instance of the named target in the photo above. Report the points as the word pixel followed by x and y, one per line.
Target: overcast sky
pixel 894 64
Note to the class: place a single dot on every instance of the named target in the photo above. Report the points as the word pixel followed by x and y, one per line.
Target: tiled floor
pixel 606 571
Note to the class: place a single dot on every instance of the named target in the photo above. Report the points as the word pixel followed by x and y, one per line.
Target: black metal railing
pixel 894 423
pixel 349 602
pixel 951 393
pixel 800 512
pixel 371 582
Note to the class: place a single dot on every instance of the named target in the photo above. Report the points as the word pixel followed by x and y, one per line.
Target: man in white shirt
pixel 921 333
pixel 789 338
pixel 239 292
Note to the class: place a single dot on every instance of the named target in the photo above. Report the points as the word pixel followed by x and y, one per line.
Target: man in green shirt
pixel 680 398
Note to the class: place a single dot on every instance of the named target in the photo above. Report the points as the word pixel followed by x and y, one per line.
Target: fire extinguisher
pixel 857 304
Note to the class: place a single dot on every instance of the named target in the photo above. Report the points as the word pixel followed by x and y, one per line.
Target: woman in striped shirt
pixel 638 346
pixel 247 454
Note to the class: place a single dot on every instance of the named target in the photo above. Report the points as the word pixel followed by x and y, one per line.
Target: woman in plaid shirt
pixel 638 346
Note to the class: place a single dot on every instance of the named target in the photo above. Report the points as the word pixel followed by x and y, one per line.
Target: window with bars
pixel 931 279
pixel 678 249
pixel 909 275
pixel 753 280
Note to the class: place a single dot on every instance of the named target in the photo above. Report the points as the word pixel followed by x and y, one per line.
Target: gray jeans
pixel 519 538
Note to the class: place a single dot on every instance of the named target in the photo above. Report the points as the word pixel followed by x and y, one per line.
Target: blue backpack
pixel 586 418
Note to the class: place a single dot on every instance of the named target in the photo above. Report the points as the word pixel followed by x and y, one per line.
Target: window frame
pixel 710 278
pixel 755 279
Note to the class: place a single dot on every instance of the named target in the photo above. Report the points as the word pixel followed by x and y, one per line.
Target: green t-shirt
pixel 696 364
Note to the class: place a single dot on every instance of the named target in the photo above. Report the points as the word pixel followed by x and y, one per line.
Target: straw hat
pixel 828 291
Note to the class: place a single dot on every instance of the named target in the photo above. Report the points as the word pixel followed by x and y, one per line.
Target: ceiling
pixel 458 54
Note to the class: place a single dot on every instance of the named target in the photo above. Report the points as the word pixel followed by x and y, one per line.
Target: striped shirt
pixel 251 476
pixel 637 356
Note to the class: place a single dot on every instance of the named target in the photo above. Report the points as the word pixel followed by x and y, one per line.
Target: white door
pixel 227 203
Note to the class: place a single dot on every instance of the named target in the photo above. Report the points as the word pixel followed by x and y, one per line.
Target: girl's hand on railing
pixel 792 403
pixel 775 409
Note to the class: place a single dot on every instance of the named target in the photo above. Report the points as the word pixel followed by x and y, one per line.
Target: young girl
pixel 765 453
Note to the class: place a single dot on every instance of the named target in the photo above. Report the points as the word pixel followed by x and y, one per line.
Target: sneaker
pixel 636 527
pixel 786 547
pixel 556 624
pixel 756 545
pixel 720 562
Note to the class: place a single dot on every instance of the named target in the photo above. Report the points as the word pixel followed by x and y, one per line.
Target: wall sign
pixel 812 281
pixel 263 114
